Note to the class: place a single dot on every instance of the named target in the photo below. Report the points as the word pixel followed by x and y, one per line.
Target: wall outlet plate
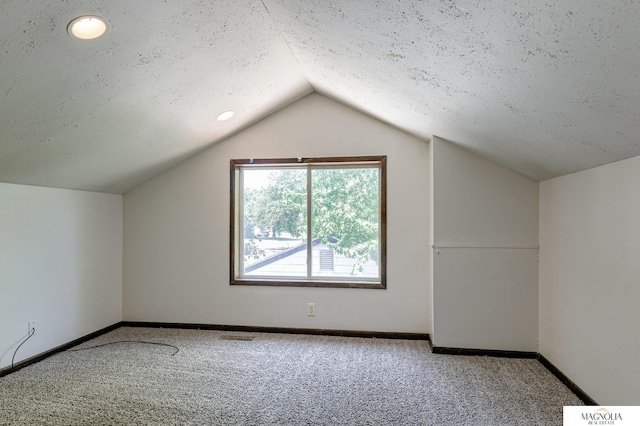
pixel 311 309
pixel 33 325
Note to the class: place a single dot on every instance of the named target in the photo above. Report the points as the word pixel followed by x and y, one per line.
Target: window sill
pixel 315 284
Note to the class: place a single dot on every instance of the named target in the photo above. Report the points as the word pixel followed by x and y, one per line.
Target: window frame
pixel 236 235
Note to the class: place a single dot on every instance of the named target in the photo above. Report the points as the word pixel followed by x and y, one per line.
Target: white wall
pixel 60 263
pixel 176 231
pixel 485 270
pixel 590 279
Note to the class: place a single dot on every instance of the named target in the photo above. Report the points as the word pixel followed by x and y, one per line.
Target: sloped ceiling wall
pixel 543 88
pixel 106 115
pixel 546 88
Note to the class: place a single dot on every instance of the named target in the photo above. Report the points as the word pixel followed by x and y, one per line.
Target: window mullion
pixel 309 220
pixel 240 232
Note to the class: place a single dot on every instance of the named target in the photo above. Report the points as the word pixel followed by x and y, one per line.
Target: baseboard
pixel 483 352
pixel 251 329
pixel 37 358
pixel 567 382
pixel 283 330
pixel 584 397
pixel 520 354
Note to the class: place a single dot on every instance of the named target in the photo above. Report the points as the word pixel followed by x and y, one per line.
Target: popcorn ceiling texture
pixel 545 88
pixel 108 114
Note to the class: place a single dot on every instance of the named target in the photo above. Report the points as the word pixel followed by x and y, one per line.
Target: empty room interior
pixel 504 139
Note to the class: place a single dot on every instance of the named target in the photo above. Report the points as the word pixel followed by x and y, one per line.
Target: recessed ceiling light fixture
pixel 225 116
pixel 87 27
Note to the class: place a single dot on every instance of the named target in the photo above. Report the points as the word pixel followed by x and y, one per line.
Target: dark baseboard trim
pixel 283 330
pixel 567 382
pixel 61 348
pixel 345 333
pixel 518 354
pixel 483 352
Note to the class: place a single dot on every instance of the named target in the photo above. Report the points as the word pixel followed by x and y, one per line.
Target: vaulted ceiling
pixel 544 88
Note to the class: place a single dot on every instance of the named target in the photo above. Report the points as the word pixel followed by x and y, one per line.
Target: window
pixel 318 222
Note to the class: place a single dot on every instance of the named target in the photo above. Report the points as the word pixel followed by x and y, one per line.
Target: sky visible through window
pixel 256 178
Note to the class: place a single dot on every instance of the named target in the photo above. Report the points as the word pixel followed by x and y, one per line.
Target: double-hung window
pixel 317 222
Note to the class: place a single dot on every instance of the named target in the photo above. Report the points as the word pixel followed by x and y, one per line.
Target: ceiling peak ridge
pixel 277 27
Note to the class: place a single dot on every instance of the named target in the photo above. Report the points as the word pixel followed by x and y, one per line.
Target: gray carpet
pixel 276 379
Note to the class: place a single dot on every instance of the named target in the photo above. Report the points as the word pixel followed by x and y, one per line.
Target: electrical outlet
pixel 32 327
pixel 311 309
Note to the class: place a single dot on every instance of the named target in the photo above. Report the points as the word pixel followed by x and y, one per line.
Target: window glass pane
pixel 313 221
pixel 345 222
pixel 274 222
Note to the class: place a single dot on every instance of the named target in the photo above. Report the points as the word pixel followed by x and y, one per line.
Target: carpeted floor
pixel 276 379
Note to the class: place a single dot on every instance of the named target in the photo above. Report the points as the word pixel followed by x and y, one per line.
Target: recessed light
pixel 225 116
pixel 87 27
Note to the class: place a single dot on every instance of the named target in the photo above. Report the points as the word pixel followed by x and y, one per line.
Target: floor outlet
pixel 311 309
pixel 33 327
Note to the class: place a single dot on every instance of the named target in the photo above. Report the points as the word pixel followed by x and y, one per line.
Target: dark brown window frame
pixel 234 169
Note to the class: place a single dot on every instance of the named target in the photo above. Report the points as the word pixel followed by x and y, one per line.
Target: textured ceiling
pixel 545 88
pixel 107 114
